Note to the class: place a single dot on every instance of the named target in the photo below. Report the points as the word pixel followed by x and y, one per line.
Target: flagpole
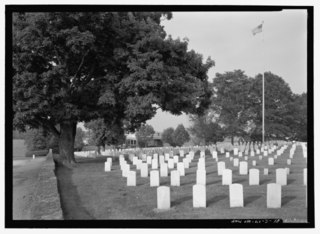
pixel 263 103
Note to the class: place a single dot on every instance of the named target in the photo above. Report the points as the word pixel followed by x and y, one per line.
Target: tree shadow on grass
pixel 69 197
pixel 287 199
pixel 290 181
pixel 238 181
pixel 250 199
pixel 216 199
pixel 181 200
pixel 265 181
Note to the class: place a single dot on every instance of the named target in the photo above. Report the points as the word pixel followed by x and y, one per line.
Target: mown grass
pixel 19 149
pixel 104 195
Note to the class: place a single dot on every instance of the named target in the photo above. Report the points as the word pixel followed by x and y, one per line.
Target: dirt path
pixel 25 175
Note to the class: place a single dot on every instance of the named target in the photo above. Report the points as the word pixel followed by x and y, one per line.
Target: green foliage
pixel 78 142
pixel 205 130
pixel 144 135
pixel 36 139
pixel 230 102
pixel 70 67
pixel 18 135
pixel 180 135
pixel 167 136
pixel 101 133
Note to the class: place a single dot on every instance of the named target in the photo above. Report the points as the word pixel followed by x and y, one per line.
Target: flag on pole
pixel 257 29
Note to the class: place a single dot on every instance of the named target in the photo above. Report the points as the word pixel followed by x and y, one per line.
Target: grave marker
pixel 180 168
pixel 243 168
pixel 201 177
pixel 131 178
pixel 175 178
pixel 154 178
pixel 273 195
pixel 227 177
pixel 236 195
pixel 281 176
pixel 221 167
pixel 254 176
pixel 199 195
pixel 163 197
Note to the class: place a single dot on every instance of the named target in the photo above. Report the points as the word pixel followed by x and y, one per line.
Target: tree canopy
pixel 70 67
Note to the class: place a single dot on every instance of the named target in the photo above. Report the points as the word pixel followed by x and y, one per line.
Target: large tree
pixel 279 116
pixel 73 67
pixel 231 102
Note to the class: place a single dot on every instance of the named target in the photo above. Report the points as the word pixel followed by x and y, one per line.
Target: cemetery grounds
pixel 88 192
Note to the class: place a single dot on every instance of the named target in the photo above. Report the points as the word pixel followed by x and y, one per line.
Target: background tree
pixel 204 129
pixel 101 134
pixel 144 135
pixel 230 102
pixel 180 135
pixel 70 67
pixel 278 116
pixel 36 139
pixel 78 142
pixel 167 136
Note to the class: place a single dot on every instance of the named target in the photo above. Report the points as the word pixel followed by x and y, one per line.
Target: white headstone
pixel 199 195
pixel 144 170
pixel 240 154
pixel 235 151
pixel 163 197
pixel 131 178
pixel 236 162
pixel 149 159
pixel 243 168
pixel 202 154
pixel 254 163
pixel 107 166
pixel 180 168
pixel 154 178
pixel 289 161
pixel 281 176
pixel 176 159
pixel 227 177
pixel 273 195
pixel 125 170
pixel 181 152
pixel 270 161
pixel 214 154
pixel 221 167
pixel 201 177
pixel 161 159
pixel 246 158
pixel 154 163
pixel 227 154
pixel 236 195
pixel 265 171
pixel 170 163
pixel 254 177
pixel 305 176
pixel 175 178
pixel 260 157
pixel 251 153
pixel 265 153
pixel 164 170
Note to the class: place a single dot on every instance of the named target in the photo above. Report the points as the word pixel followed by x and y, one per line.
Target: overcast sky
pixel 227 38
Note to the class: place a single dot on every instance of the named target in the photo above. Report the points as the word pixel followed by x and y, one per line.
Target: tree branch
pixel 48 125
pixel 81 64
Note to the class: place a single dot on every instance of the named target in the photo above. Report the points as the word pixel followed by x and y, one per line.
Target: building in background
pixel 132 142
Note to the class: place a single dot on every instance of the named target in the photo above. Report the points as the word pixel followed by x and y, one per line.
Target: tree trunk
pixel 232 140
pixel 66 143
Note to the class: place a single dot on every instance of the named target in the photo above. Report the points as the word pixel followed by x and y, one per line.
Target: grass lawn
pixel 90 193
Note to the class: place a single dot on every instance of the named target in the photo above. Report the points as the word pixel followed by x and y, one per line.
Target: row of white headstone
pixel 235 196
